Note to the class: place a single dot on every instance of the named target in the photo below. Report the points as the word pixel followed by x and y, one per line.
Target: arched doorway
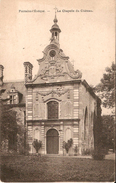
pixel 52 141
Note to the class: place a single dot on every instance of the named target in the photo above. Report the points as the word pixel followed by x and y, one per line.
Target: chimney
pixel 28 71
pixel 1 75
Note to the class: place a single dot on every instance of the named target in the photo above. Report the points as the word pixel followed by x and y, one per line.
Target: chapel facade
pixel 56 104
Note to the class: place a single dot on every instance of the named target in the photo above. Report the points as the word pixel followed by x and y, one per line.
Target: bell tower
pixel 55 30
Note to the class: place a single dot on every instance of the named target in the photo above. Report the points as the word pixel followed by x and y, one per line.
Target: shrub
pixel 86 152
pixel 24 150
pixel 76 150
pixel 67 145
pixel 98 155
pixel 37 145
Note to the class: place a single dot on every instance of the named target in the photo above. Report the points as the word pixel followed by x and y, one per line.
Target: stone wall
pixel 74 102
pixel 41 96
pixel 86 107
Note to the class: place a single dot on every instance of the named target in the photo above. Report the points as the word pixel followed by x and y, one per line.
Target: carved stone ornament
pixel 75 74
pixel 53 69
pixel 57 92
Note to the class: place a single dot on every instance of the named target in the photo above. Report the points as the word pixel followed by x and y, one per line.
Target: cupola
pixel 55 30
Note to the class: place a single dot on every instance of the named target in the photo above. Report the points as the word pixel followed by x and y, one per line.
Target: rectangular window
pixel 52 110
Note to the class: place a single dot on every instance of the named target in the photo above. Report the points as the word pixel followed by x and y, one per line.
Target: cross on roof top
pixel 55 9
pixel 55 19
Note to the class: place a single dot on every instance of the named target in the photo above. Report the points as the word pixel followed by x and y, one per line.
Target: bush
pixel 37 145
pixel 24 151
pixel 86 152
pixel 67 145
pixel 98 155
pixel 76 150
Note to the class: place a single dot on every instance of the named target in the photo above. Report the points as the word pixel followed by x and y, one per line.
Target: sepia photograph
pixel 57 91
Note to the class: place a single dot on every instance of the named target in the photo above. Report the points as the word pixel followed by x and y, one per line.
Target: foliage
pixel 106 88
pixel 8 122
pixel 76 149
pixel 24 150
pixel 37 145
pixel 98 155
pixel 8 128
pixel 108 132
pixel 67 145
pixel 13 130
pixel 86 152
pixel 22 142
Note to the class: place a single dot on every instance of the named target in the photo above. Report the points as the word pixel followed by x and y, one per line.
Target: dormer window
pixel 12 99
pixel 14 96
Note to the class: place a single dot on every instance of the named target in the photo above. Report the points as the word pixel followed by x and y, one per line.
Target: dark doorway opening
pixel 52 141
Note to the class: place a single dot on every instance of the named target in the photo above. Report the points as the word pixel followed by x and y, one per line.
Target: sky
pixel 87 34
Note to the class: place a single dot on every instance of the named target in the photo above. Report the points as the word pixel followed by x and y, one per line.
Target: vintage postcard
pixel 57 71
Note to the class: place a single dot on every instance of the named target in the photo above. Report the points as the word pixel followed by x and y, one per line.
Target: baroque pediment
pixel 55 66
pixel 52 69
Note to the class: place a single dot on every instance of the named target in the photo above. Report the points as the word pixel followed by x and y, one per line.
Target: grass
pixel 52 169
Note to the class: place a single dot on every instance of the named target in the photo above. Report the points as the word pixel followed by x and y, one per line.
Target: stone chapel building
pixel 56 104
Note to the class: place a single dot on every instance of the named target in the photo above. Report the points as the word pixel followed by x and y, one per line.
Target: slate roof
pixel 19 86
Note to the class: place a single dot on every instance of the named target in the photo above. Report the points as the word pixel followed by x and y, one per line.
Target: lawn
pixel 52 169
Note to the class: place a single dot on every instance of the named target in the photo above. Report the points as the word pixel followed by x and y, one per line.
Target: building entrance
pixel 52 141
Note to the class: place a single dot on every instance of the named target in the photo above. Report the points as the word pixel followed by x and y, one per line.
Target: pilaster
pixel 30 138
pixel 61 134
pixel 76 102
pixel 43 138
pixel 76 134
pixel 29 104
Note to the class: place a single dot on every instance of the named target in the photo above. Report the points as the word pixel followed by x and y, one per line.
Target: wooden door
pixel 52 142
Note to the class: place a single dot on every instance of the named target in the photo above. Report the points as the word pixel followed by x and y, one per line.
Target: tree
pixel 106 88
pixel 13 130
pixel 108 132
pixel 8 127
